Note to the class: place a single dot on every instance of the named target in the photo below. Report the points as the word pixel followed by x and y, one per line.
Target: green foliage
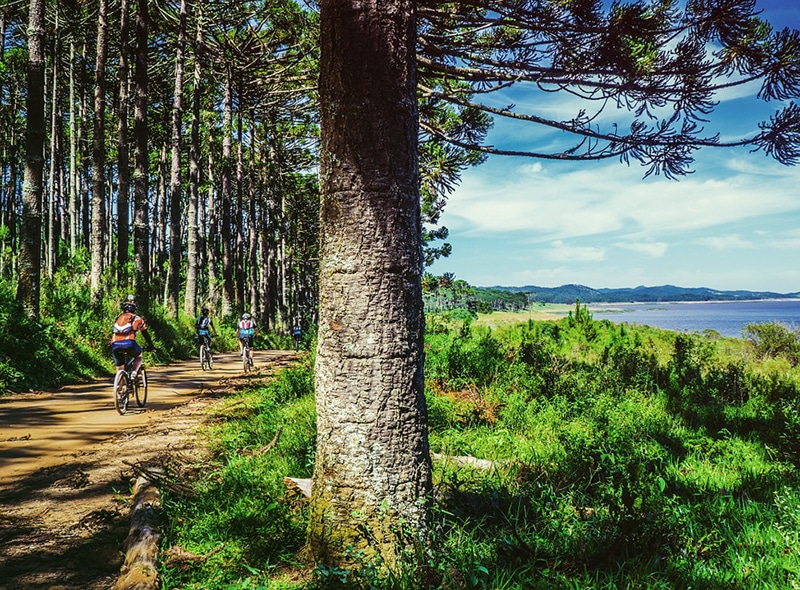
pixel 774 339
pixel 239 509
pixel 612 457
pixel 71 341
pixel 57 349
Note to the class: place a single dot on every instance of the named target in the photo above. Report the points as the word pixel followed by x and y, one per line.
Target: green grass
pixel 622 458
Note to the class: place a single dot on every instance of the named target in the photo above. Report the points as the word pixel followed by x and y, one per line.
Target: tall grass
pixel 613 457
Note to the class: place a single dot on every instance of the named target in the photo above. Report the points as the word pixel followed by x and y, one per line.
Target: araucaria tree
pixel 649 63
pixel 372 457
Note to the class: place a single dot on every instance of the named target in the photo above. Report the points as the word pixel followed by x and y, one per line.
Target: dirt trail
pixel 65 466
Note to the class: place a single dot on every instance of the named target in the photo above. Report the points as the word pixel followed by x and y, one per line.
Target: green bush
pixel 774 339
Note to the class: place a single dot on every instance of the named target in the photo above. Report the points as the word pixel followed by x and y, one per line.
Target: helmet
pixel 129 306
pixel 245 316
pixel 205 311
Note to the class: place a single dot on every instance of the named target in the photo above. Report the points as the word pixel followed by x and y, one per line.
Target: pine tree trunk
pixel 141 225
pixel 5 160
pixel 212 246
pixel 227 199
pixel 28 282
pixel 252 245
pixel 52 236
pixel 372 468
pixel 85 158
pixel 175 236
pixel 99 156
pixel 193 252
pixel 123 151
pixel 239 253
pixel 74 204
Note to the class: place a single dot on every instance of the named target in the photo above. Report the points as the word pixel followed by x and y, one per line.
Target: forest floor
pixel 68 459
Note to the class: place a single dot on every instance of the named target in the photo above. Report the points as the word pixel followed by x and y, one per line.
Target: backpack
pixel 245 328
pixel 123 327
pixel 202 323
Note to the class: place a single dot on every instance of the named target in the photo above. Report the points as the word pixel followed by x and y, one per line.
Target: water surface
pixel 729 318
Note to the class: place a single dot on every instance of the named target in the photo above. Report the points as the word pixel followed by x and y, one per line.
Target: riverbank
pixel 726 318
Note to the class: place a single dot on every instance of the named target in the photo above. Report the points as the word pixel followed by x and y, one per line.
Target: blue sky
pixel 732 224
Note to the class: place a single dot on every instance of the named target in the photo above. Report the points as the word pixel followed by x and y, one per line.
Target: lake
pixel 726 317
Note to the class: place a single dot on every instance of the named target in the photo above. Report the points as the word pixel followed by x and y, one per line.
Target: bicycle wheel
pixel 245 360
pixel 121 392
pixel 140 387
pixel 210 357
pixel 203 358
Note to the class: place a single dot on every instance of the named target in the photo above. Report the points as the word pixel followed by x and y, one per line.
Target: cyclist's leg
pixel 136 350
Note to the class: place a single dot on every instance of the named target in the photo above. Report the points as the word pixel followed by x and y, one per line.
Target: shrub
pixel 773 339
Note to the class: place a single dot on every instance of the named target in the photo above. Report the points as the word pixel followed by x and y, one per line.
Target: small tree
pixel 773 339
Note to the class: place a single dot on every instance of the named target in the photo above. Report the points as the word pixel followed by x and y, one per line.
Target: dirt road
pixel 65 466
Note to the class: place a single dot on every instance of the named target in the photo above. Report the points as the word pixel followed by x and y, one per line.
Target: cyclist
pixel 246 330
pixel 203 327
pixel 297 333
pixel 123 338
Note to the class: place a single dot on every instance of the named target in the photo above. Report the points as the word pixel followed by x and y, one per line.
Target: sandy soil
pixel 67 463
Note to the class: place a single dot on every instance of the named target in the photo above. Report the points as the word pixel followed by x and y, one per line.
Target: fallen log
pixel 469 461
pixel 301 486
pixel 140 569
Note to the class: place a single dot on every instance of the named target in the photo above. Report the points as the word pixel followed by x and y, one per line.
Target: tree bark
pixel 252 234
pixel 52 200
pixel 372 467
pixel 239 254
pixel 227 199
pixel 141 225
pixel 123 151
pixel 175 237
pixel 30 264
pixel 99 156
pixel 193 251
pixel 140 569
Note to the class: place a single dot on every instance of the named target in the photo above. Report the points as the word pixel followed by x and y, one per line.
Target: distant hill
pixel 569 293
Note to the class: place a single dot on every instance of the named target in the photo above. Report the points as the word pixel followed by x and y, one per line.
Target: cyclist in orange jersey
pixel 123 338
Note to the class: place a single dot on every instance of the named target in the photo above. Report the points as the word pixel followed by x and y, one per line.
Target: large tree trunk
pixel 123 152
pixel 141 225
pixel 99 155
pixel 30 264
pixel 372 466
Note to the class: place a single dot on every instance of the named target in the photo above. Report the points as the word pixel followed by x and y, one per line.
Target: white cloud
pixel 729 242
pixel 559 202
pixel 562 252
pixel 652 249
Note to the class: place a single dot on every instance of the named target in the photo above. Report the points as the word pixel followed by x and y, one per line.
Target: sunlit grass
pixel 605 457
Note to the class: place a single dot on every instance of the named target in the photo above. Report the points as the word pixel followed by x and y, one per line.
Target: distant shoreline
pixel 604 303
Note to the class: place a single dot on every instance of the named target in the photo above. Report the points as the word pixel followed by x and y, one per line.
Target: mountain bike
pixel 125 385
pixel 247 358
pixel 206 358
